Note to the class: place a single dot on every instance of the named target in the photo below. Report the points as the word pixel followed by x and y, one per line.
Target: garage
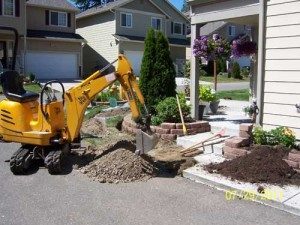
pixel 52 65
pixel 135 57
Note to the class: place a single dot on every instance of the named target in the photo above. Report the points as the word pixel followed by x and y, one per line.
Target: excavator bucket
pixel 145 142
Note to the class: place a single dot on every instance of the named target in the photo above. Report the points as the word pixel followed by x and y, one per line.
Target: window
pixel 126 20
pixel 231 31
pixel 178 28
pixel 8 7
pixel 156 23
pixel 58 19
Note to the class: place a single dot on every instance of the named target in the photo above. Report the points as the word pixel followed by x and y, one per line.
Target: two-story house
pixel 48 44
pixel 121 27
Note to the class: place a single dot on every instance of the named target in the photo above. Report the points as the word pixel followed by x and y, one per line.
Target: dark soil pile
pixel 93 127
pixel 121 165
pixel 263 165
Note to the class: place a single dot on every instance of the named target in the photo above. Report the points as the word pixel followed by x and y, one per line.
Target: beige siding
pixel 282 69
pixel 36 20
pixel 175 17
pixel 101 46
pixel 16 22
pixel 141 22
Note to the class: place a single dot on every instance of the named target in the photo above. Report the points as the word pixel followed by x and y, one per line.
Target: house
pixel 121 27
pixel 48 44
pixel 275 27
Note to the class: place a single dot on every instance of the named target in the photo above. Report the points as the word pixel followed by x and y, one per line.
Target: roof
pixel 59 4
pixel 52 34
pixel 102 8
pixel 116 4
pixel 172 41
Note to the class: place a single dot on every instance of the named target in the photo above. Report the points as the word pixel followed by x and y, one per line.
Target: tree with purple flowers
pixel 212 49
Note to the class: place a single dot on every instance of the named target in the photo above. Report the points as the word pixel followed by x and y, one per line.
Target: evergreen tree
pixel 185 6
pixel 148 63
pixel 86 4
pixel 163 83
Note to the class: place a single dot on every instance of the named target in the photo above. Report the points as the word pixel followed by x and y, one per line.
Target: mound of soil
pixel 93 127
pixel 263 165
pixel 120 165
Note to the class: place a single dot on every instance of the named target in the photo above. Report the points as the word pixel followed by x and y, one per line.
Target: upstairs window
pixel 59 19
pixel 231 31
pixel 178 28
pixel 8 7
pixel 156 23
pixel 126 20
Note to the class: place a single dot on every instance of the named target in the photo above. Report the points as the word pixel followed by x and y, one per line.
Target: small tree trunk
pixel 215 75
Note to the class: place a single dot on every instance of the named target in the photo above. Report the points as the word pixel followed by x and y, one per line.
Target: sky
pixel 177 3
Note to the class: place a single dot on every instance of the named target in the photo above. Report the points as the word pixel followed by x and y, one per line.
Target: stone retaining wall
pixel 168 131
pixel 237 146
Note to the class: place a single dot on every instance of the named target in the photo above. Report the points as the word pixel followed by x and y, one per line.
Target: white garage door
pixel 49 66
pixel 135 57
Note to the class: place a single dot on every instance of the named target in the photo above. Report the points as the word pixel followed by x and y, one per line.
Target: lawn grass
pixel 223 79
pixel 92 112
pixel 240 95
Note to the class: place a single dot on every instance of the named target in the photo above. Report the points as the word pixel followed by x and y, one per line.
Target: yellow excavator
pixel 47 128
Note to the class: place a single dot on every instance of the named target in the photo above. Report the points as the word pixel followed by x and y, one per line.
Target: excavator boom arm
pixel 79 97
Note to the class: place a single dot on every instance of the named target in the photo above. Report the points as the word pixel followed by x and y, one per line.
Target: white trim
pixel 141 12
pixel 127 14
pixel 58 12
pixel 58 39
pixel 212 16
pixel 14 9
pixel 181 24
pixel 157 18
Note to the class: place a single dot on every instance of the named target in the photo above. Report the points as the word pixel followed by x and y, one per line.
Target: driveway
pixel 74 199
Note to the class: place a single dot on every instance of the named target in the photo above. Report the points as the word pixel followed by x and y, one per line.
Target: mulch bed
pixel 263 165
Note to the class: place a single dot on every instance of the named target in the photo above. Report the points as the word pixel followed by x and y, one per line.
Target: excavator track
pixel 53 162
pixel 18 165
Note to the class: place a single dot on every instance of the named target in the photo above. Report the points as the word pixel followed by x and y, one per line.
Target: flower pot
pixel 201 111
pixel 214 106
pixel 206 109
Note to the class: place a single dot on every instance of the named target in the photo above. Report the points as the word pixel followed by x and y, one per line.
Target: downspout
pixel 261 60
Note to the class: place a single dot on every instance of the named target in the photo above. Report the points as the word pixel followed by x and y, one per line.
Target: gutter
pixel 59 39
pixel 261 60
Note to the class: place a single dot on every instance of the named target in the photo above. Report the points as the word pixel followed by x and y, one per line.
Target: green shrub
pixel 31 77
pixel 236 71
pixel 278 136
pixel 156 121
pixel 245 72
pixel 106 95
pixel 167 110
pixel 206 94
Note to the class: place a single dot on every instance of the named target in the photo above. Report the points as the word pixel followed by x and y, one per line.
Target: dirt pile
pixel 119 164
pixel 93 127
pixel 263 165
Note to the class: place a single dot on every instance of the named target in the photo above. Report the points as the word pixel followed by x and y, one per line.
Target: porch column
pixel 194 79
pixel 253 66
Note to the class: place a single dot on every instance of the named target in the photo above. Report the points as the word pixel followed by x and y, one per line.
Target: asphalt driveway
pixel 40 198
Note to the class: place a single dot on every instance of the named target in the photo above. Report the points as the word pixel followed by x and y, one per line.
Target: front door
pixel 3 54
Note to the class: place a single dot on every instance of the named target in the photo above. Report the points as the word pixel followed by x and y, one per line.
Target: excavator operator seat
pixel 12 84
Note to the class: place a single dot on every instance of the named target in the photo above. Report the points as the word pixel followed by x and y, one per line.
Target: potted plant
pixel 214 103
pixel 205 96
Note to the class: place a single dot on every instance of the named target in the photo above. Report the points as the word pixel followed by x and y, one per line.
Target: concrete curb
pixel 221 187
